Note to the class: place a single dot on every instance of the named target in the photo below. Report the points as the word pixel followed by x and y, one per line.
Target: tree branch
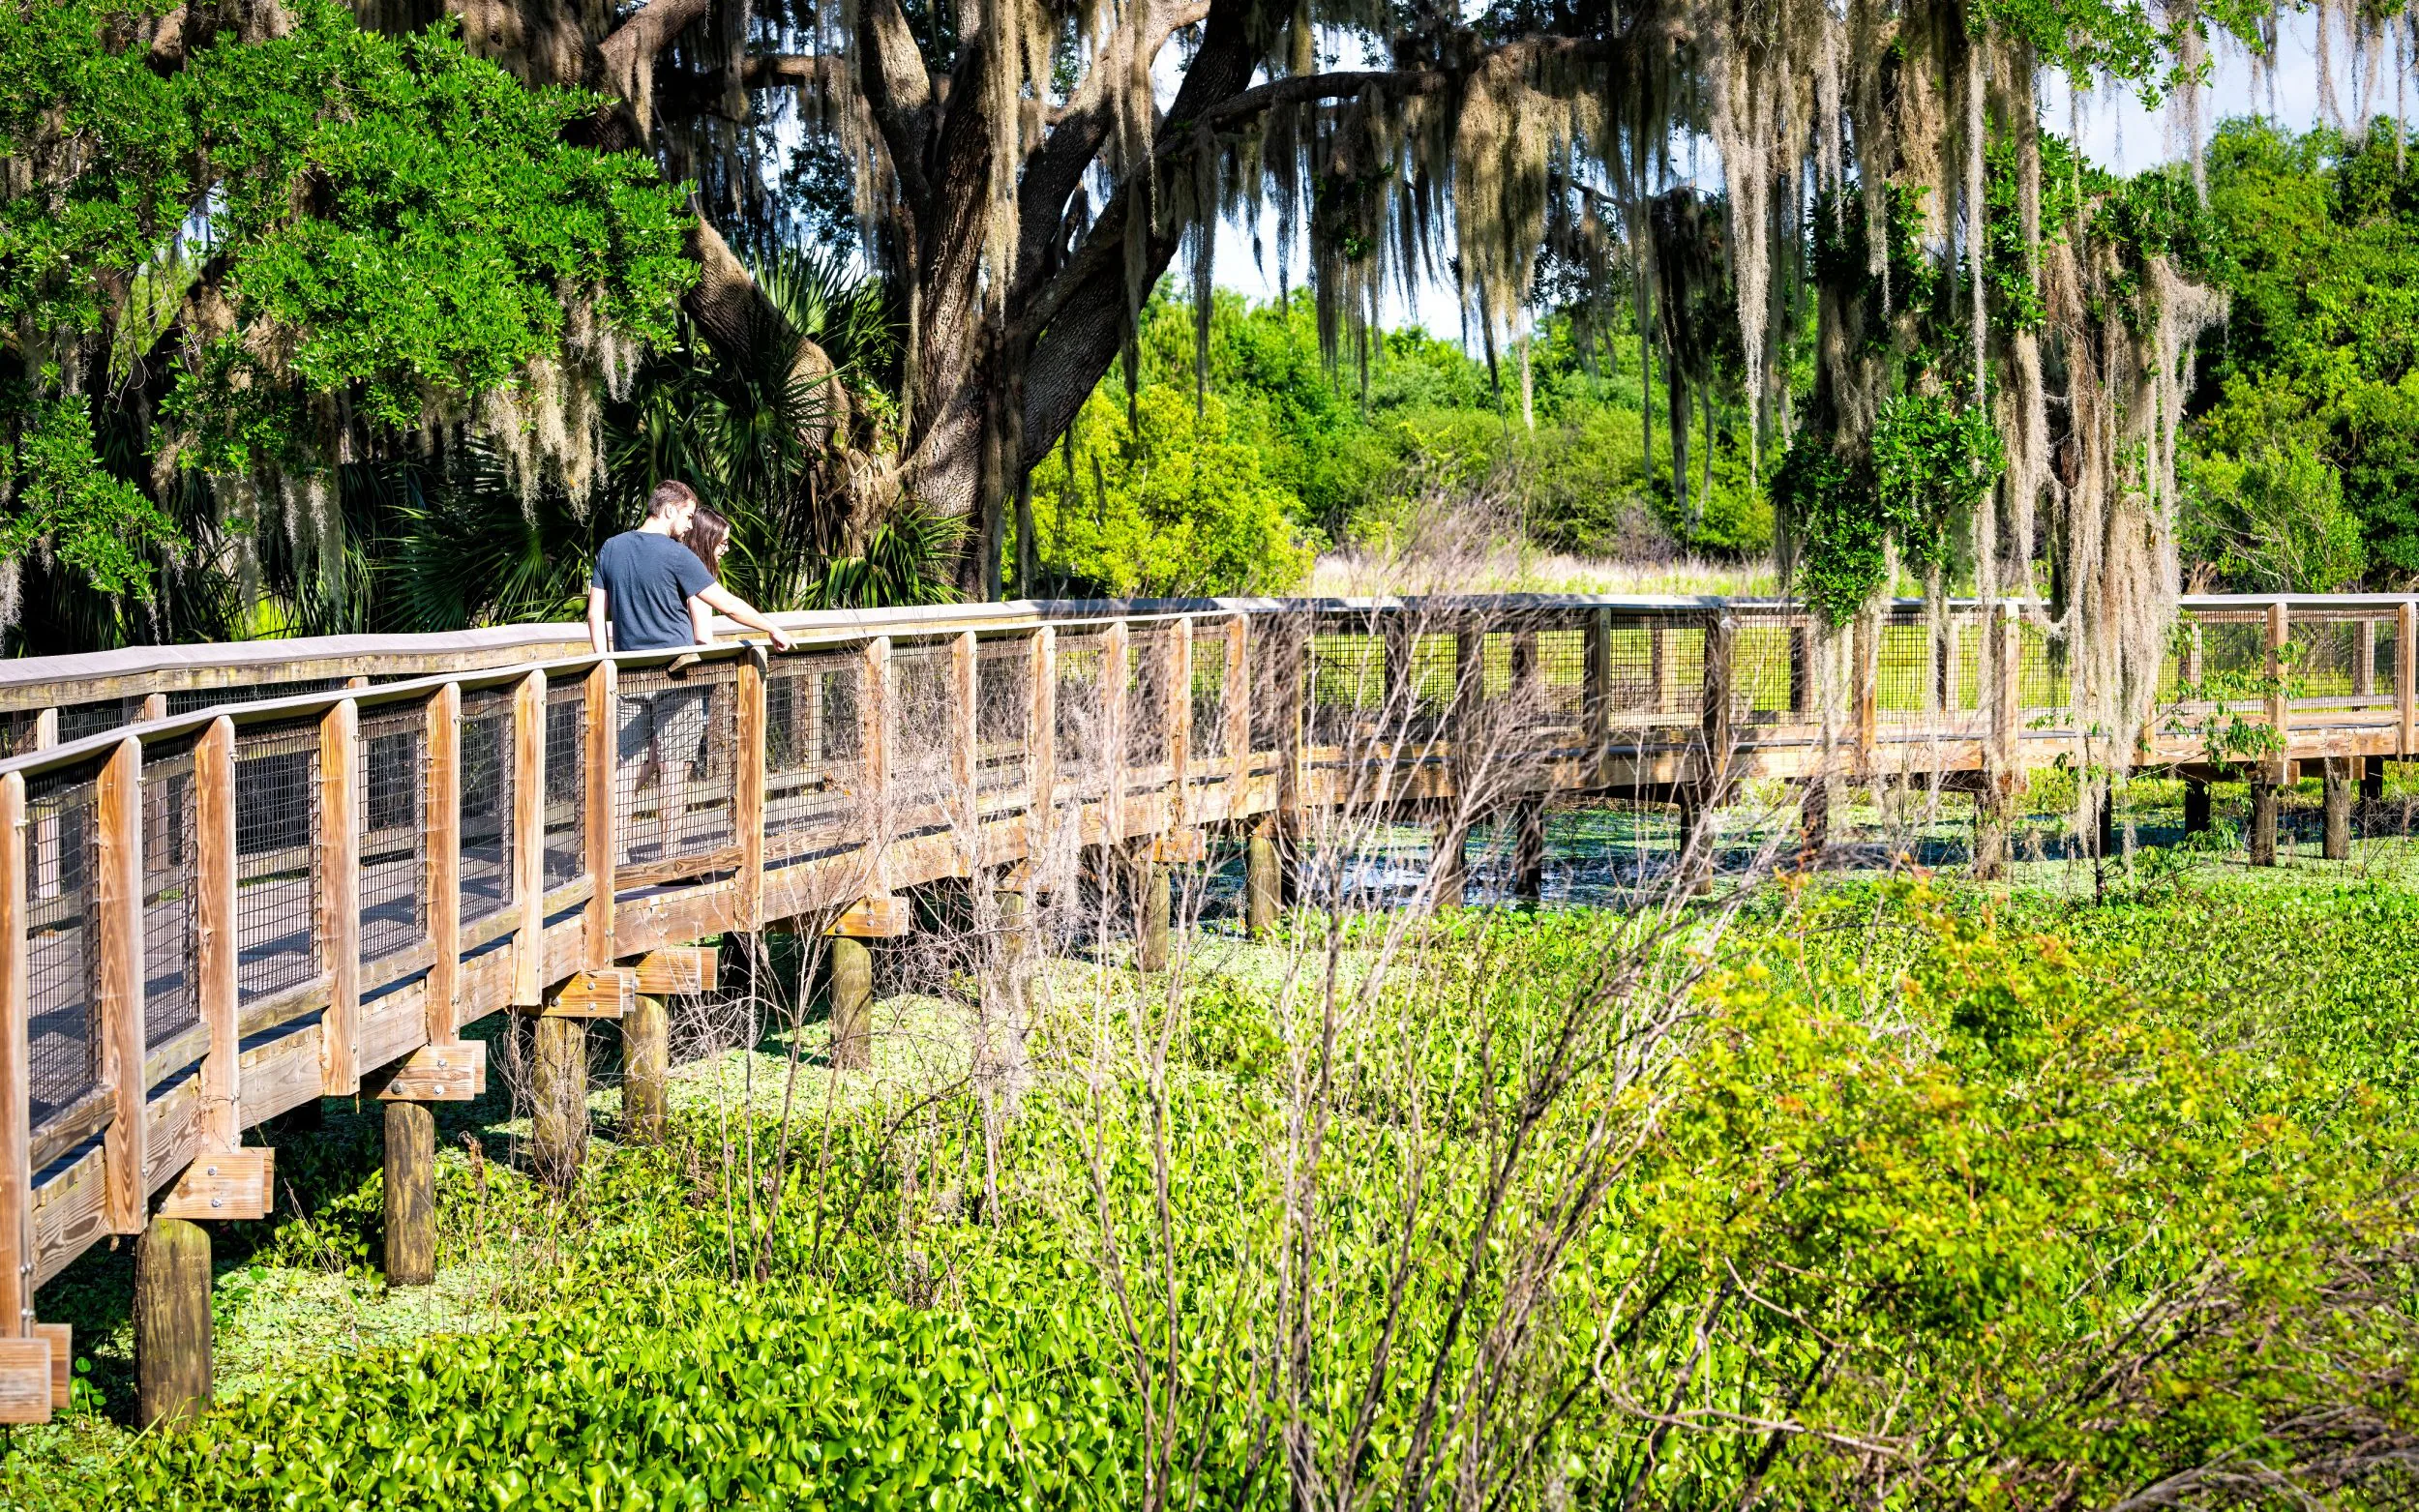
pixel 628 55
pixel 681 92
pixel 1080 129
pixel 898 88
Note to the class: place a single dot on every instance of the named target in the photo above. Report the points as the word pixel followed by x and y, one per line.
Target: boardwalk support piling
pixel 2197 812
pixel 1153 905
pixel 1994 806
pixel 1815 821
pixel 2372 779
pixel 2337 784
pixel 2263 818
pixel 171 1322
pixel 1452 862
pixel 410 1194
pixel 558 1097
pixel 1262 880
pixel 645 1064
pixel 852 1004
pixel 1529 850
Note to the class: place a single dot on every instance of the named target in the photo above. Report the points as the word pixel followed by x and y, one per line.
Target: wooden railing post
pixel 2365 660
pixel 1293 651
pixel 874 758
pixel 215 938
pixel 16 1174
pixel 2192 653
pixel 1943 693
pixel 442 822
pixel 1041 745
pixel 1662 666
pixel 119 858
pixel 1866 643
pixel 2279 704
pixel 1469 694
pixel 965 752
pixel 1599 702
pixel 528 821
pixel 1720 642
pixel 2006 704
pixel 2406 675
pixel 1801 668
pixel 1179 649
pixel 1114 671
pixel 1238 711
pixel 604 700
pixel 747 788
pixel 340 901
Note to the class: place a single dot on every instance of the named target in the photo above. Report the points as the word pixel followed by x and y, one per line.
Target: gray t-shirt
pixel 648 580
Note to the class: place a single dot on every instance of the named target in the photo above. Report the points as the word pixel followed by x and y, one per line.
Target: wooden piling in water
pixel 1263 881
pixel 2262 819
pixel 410 1174
pixel 558 1095
pixel 171 1322
pixel 1452 866
pixel 1153 905
pixel 1529 850
pixel 2336 784
pixel 2196 807
pixel 645 1067
pixel 851 1005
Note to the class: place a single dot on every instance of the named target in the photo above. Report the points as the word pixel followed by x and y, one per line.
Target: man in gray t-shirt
pixel 650 592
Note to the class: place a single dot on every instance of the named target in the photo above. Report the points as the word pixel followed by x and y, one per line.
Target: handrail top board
pixel 38 682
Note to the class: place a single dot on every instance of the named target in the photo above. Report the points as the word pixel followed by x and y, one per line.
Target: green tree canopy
pixel 243 255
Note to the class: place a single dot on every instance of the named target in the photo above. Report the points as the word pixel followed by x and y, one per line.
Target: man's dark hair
pixel 669 494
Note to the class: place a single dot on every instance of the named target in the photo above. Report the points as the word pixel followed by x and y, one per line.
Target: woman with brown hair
pixel 708 535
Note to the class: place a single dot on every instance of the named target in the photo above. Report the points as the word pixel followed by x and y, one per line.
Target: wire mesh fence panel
pixel 1278 661
pixel 673 764
pixel 923 711
pixel 1434 677
pixel 1208 690
pixel 390 815
pixel 2233 648
pixel 1906 674
pixel 186 700
pixel 566 820
pixel 2385 652
pixel 277 870
pixel 1347 690
pixel 63 1024
pixel 79 720
pixel 814 743
pixel 486 790
pixel 2324 657
pixel 20 729
pixel 2043 677
pixel 170 1003
pixel 1148 706
pixel 1768 671
pixel 1082 712
pixel 1558 675
pixel 1656 671
pixel 1004 713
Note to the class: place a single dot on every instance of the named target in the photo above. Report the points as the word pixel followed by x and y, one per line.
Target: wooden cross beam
pixel 603 993
pixel 872 918
pixel 679 970
pixel 455 1073
pixel 238 1183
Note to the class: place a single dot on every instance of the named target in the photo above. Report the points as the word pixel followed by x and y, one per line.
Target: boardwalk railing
pixel 235 880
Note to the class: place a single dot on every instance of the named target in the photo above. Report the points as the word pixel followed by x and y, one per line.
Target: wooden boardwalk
pixel 234 879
